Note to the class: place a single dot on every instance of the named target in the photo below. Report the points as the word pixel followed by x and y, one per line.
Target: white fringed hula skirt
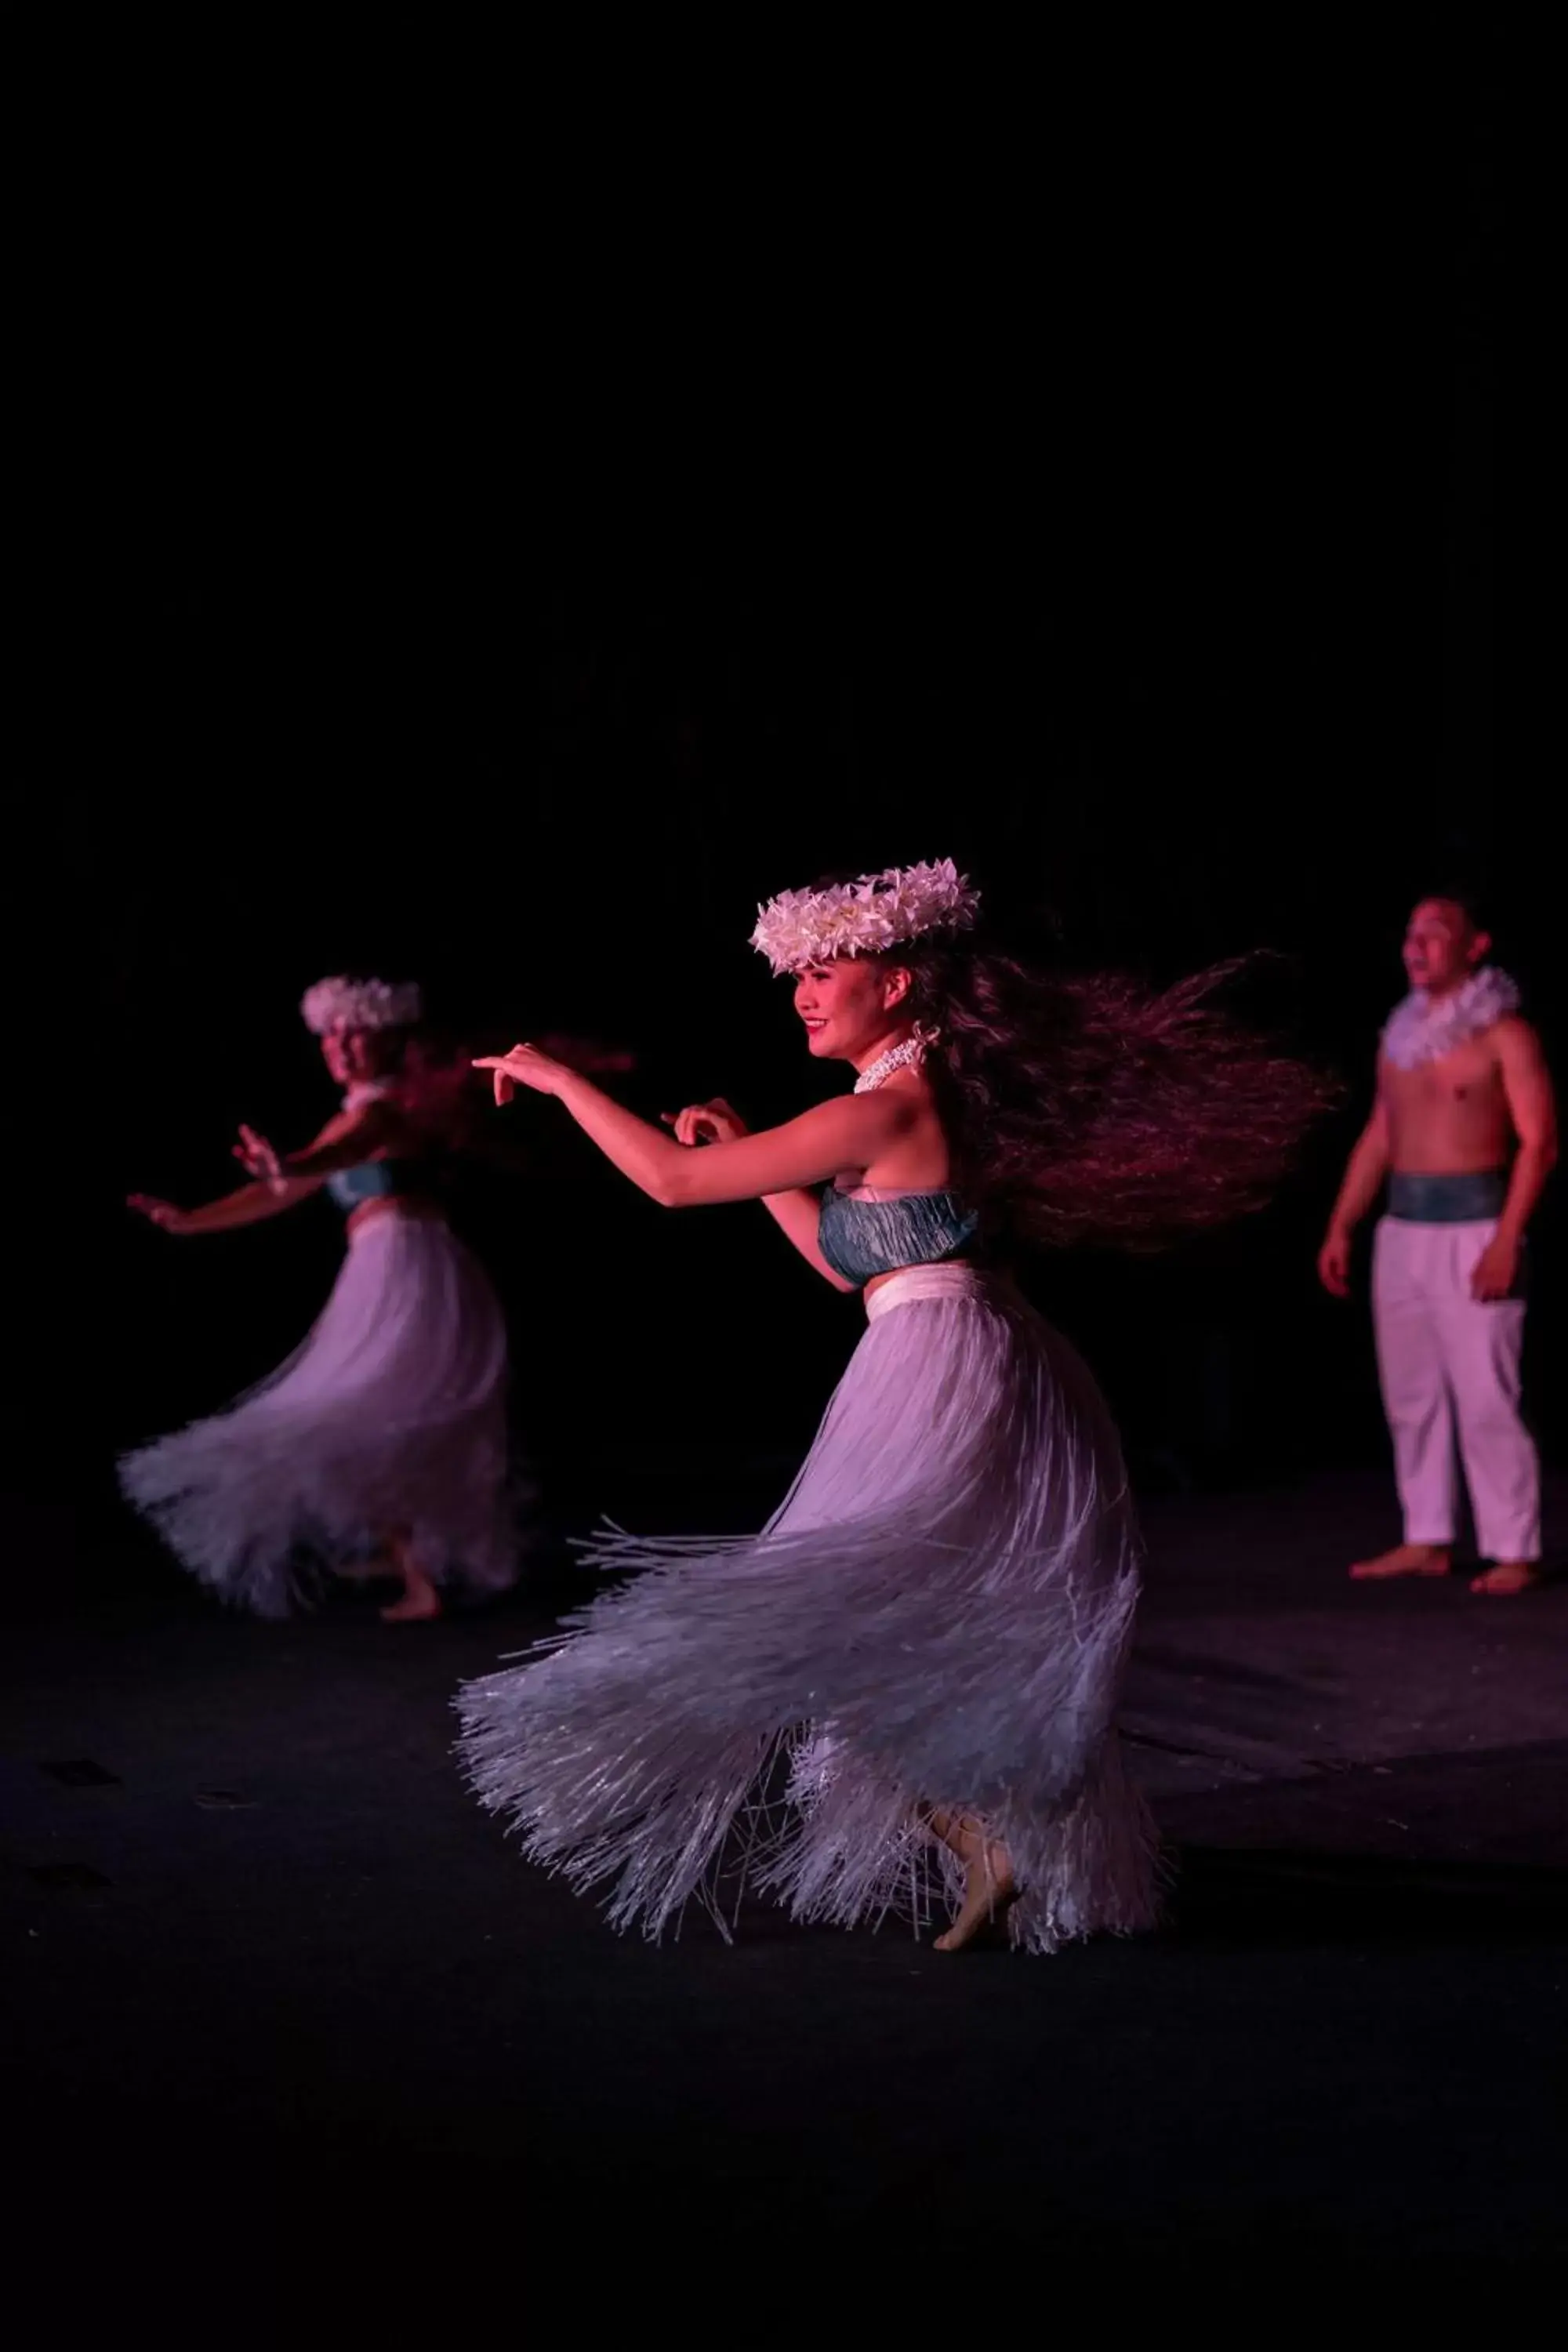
pixel 937 1616
pixel 390 1420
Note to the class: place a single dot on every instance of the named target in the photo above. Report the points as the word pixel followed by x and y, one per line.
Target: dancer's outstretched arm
pixel 249 1206
pixel 797 1213
pixel 347 1139
pixel 846 1134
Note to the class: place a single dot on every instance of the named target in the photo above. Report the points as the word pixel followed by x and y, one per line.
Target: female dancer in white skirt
pixel 931 1630
pixel 379 1447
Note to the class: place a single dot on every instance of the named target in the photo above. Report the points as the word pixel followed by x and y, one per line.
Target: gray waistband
pixel 1448 1199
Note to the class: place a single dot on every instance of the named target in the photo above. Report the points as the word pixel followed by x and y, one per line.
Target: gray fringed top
pixel 861 1238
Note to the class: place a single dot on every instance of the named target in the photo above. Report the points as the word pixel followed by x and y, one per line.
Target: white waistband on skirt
pixel 910 1282
pixel 406 1208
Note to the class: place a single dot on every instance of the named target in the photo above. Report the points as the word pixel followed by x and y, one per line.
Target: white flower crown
pixel 344 1003
pixel 879 911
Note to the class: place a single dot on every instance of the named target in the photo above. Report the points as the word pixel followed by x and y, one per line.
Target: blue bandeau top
pixel 863 1238
pixel 372 1179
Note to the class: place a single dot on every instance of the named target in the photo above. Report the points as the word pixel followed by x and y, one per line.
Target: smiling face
pixel 335 1058
pixel 853 1007
pixel 1442 946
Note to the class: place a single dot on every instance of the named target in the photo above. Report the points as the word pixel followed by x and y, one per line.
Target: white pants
pixel 1447 1359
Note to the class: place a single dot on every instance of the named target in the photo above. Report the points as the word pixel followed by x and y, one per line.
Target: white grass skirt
pixel 391 1418
pixel 939 1615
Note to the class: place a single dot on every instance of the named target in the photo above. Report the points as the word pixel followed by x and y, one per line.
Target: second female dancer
pixel 379 1447
pixel 925 1645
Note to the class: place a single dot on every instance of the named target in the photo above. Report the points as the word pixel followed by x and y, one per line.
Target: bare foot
pixel 988 1892
pixel 414 1609
pixel 1406 1559
pixel 420 1600
pixel 1507 1576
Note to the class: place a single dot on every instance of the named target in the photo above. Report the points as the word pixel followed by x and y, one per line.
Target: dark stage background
pixel 1171 624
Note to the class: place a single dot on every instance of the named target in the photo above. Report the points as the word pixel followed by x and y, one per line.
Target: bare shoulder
pixel 341 1122
pixel 1516 1041
pixel 377 1122
pixel 884 1113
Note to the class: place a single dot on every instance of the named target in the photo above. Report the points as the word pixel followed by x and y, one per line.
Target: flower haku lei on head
pixel 342 1003
pixel 863 918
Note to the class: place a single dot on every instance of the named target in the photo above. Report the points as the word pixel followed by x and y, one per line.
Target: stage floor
pixel 265 1959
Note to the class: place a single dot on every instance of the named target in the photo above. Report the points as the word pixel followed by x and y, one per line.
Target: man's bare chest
pixel 1457 1088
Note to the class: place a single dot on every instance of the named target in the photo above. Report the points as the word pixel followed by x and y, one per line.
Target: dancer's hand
pixel 1334 1264
pixel 710 1122
pixel 258 1158
pixel 1497 1269
pixel 161 1212
pixel 525 1065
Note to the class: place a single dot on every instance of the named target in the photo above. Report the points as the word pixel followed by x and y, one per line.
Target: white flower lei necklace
pixel 1424 1027
pixel 897 1058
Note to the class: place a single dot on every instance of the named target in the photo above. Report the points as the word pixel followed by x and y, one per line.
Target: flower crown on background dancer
pixel 343 1002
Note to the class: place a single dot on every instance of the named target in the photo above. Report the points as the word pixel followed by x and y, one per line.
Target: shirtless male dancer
pixel 1465 1135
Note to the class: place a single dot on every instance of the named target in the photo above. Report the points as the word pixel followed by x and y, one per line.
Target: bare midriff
pixel 1449 1118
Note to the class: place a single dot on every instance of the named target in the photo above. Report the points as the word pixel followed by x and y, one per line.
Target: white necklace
pixel 1425 1027
pixel 897 1058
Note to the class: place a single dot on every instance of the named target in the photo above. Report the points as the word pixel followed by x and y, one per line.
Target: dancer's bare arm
pixel 349 1138
pixel 1363 1179
pixel 1527 1084
pixel 249 1206
pixel 850 1132
pixel 797 1213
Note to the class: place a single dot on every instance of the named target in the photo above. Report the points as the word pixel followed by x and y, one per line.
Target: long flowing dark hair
pixel 1092 1107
